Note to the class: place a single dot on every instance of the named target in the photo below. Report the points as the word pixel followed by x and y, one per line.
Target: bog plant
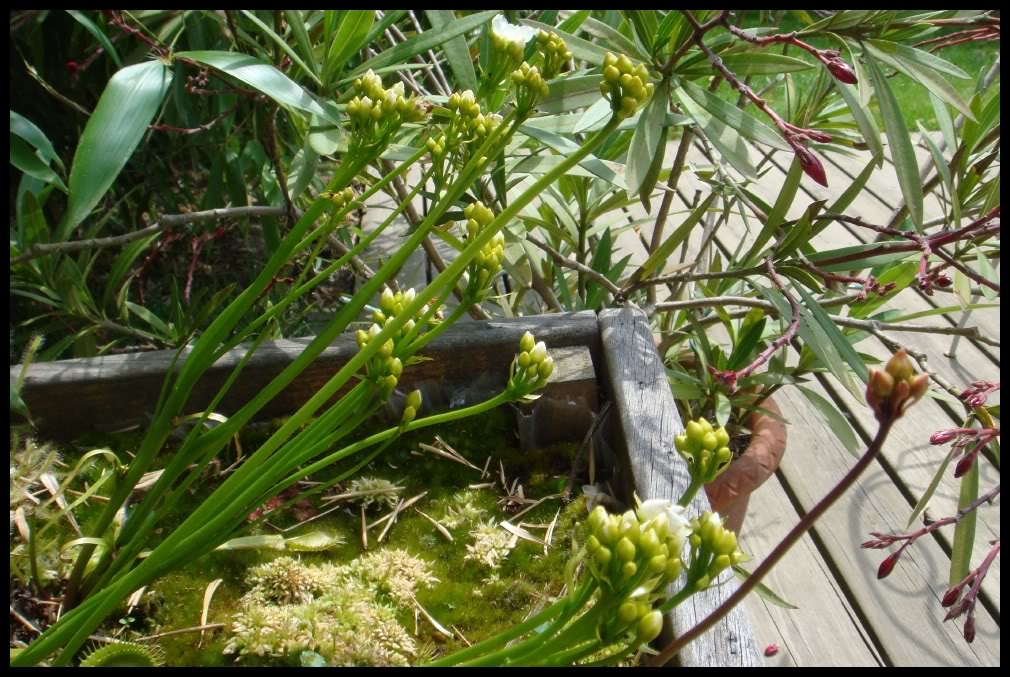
pixel 527 137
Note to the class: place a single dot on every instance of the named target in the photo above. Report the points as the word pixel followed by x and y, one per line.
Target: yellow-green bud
pixel 361 337
pixel 538 353
pixel 395 366
pixel 609 533
pixel 526 344
pixel 408 414
pixel 389 383
pixel 414 399
pixel 611 74
pixel 718 565
pixel 593 544
pixel 625 550
pixel 657 564
pixel 709 441
pixel 702 583
pixel 627 613
pixel 650 626
pixel 722 437
pixel 629 569
pixel 695 432
pixel 609 59
pixel 603 556
pixel 546 367
pixel 674 567
pixel 680 441
pixel 597 517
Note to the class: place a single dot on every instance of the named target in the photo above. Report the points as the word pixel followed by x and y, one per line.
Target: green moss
pixel 471 599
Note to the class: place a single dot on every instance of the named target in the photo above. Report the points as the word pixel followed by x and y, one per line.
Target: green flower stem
pixel 426 338
pixel 690 493
pixel 536 643
pixel 678 599
pixel 507 636
pixel 194 366
pixel 570 657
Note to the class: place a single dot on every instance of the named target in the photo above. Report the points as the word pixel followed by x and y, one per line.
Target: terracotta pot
pixel 730 493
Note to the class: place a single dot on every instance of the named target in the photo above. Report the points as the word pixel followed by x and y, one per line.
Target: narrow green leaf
pixel 927 77
pixel 260 76
pixel 918 56
pixel 566 147
pixel 902 153
pixel 777 215
pixel 150 318
pixel 763 590
pixel 658 258
pixel 930 490
pixel 618 43
pixel 943 120
pixel 26 129
pixel 837 421
pixel 943 170
pixel 456 51
pixel 18 405
pixel 27 160
pixel 594 115
pixel 740 120
pixel 645 142
pixel 425 41
pixel 748 63
pixel 348 40
pixel 297 23
pixel 837 338
pixel 127 106
pixel 727 141
pixel 283 44
pixel 863 119
pixel 964 532
pixel 303 168
pixel 986 270
pixel 324 136
pixel 99 34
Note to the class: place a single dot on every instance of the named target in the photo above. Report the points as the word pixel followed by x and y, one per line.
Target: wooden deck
pixel 845 615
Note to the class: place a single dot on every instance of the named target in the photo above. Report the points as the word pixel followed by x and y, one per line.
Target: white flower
pixel 519 35
pixel 678 526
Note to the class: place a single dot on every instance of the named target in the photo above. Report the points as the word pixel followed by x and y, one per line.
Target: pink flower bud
pixel 944 436
pixel 811 165
pixel 771 650
pixel 842 71
pixel 969 630
pixel 964 465
pixel 887 566
pixel 951 598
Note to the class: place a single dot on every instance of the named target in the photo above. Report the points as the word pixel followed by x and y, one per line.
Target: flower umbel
pixel 892 391
pixel 625 85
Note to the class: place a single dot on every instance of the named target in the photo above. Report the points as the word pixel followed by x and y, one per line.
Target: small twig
pixel 575 265
pixel 166 222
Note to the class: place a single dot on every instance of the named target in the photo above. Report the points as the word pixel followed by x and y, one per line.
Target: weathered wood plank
pixel 904 610
pixel 648 421
pixel 825 630
pixel 113 392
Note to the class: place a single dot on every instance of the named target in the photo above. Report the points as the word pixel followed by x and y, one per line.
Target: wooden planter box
pixel 611 356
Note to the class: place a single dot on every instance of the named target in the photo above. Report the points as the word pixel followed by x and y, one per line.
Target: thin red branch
pixel 959 607
pixel 730 378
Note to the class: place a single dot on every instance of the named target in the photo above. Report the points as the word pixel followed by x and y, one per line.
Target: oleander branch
pixel 165 223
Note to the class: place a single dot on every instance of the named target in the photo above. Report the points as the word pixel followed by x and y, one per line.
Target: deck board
pixel 824 630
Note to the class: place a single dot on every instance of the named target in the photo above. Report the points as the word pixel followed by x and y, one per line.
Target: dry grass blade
pixel 134 599
pixel 431 619
pixel 504 482
pixel 461 636
pixel 208 595
pixel 392 521
pixel 448 455
pixel 405 504
pixel 519 532
pixel 485 485
pixel 483 473
pixel 364 530
pixel 439 526
pixel 534 504
pixel 550 530
pixel 53 487
pixel 359 494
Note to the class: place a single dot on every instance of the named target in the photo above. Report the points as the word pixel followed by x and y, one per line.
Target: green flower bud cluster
pixel 412 406
pixel 634 557
pixel 626 86
pixel 376 113
pixel 554 52
pixel 488 261
pixel 705 450
pixel 531 368
pixel 530 87
pixel 384 368
pixel 508 46
pixel 341 198
pixel 467 124
pixel 713 550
